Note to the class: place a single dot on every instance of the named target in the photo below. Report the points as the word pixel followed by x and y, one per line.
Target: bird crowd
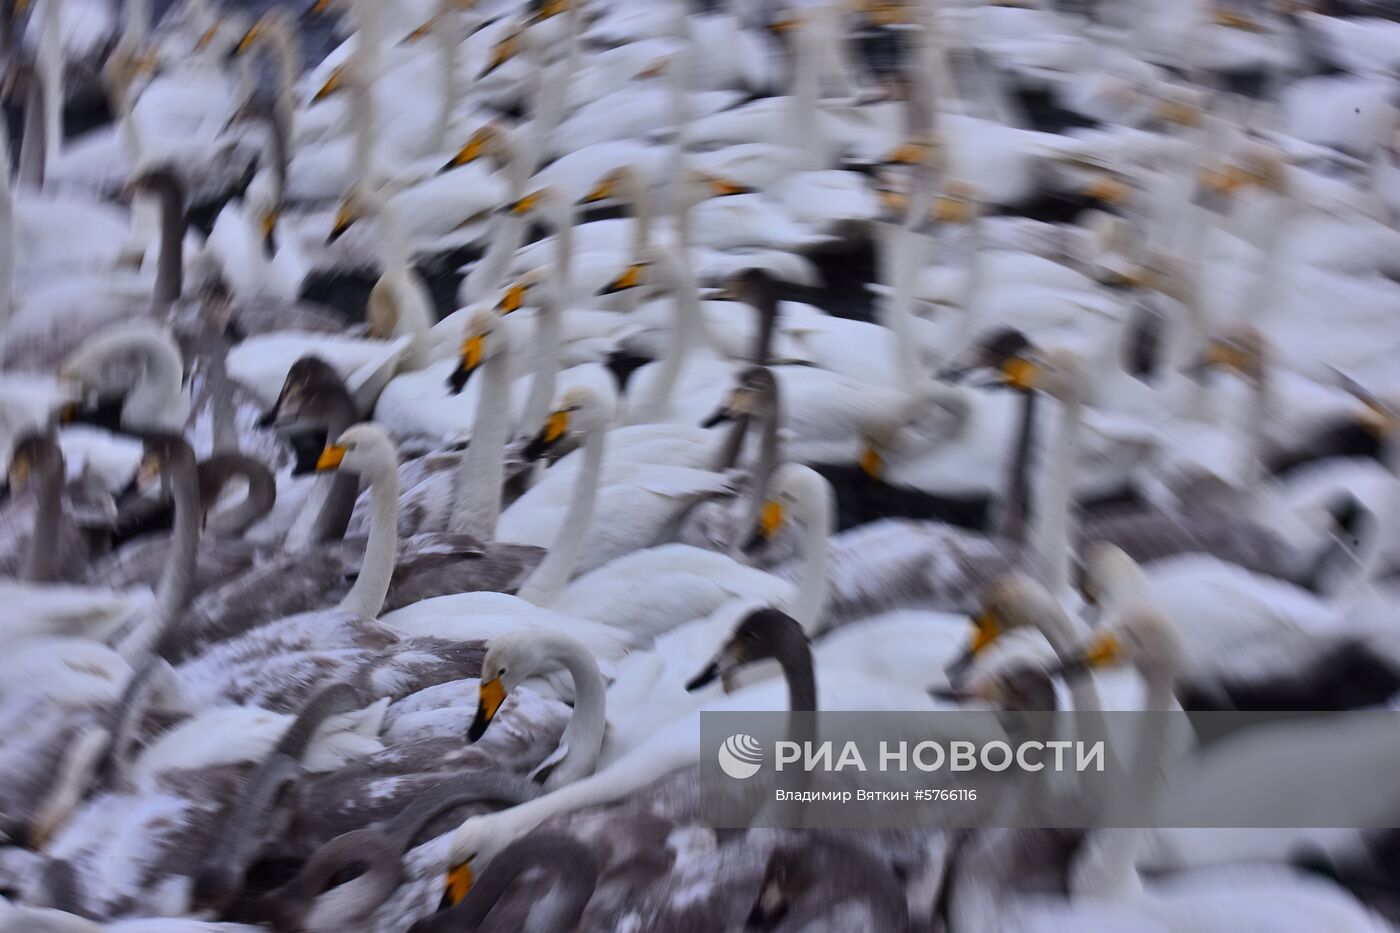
pixel 404 451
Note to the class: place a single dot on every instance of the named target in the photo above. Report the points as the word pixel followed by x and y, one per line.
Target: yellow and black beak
pixel 459 883
pixel 344 219
pixel 19 475
pixel 207 37
pixel 730 658
pixel 1376 418
pixel 872 462
pixel 422 32
pixel 244 44
pixel 633 276
pixel 724 187
pixel 770 520
pixel 330 458
pixel 914 152
pixel 734 408
pixel 473 351
pixel 1220 354
pixel 319 8
pixel 952 210
pixel 784 25
pixel 605 189
pixel 514 298
pixel 473 150
pixel 493 694
pixel 502 52
pixel 1107 190
pixel 1103 651
pixel 1017 372
pixel 334 82
pixel 986 628
pixel 148 470
pixel 268 226
pixel 555 427
pixel 550 9
pixel 526 204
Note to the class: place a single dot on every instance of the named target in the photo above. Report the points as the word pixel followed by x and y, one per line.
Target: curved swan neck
pixel 481 472
pixel 366 597
pixel 572 865
pixel 583 736
pixel 549 578
pixel 261 496
pixel 42 561
pixel 176 585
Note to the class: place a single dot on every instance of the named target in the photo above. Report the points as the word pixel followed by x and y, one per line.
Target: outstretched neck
pixel 1050 531
pixel 42 561
pixel 366 597
pixel 550 577
pixel 482 470
pixel 812 596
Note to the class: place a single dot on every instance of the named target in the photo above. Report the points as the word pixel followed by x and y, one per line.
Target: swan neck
pixel 550 577
pixel 1050 526
pixel 1013 526
pixel 583 736
pixel 34 146
pixel 170 267
pixel 42 561
pixel 366 597
pixel 812 597
pixel 482 468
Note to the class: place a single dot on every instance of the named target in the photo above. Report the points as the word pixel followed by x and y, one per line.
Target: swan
pixel 563 906
pixel 399 302
pixel 763 634
pixel 641 496
pixel 44 543
pixel 428 566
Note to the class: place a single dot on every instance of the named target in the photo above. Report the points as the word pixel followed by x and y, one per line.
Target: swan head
pixel 762 634
pixel 481 342
pixel 35 455
pixel 511 659
pixel 622 183
pixel 1110 576
pixel 1058 372
pixel 932 415
pixel 1014 601
pixel 358 203
pixel 313 392
pixel 364 450
pixel 546 200
pixel 587 409
pixel 506 48
pixel 513 299
pixel 1012 685
pixel 755 393
pixel 799 494
pixel 488 141
pixel 159 179
pixel 120 361
pixel 1243 349
pixel 1137 635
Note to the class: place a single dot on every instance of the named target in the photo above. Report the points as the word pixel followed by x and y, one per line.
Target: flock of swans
pixel 404 451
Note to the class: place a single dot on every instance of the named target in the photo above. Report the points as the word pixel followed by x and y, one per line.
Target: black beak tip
pixel 958 667
pixel 718 418
pixel 268 418
pixel 458 380
pixel 535 450
pixel 478 726
pixel 704 678
pixel 754 543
